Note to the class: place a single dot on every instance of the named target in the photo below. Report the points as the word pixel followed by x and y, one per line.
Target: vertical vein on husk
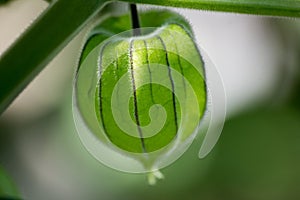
pixel 136 114
pixel 149 70
pixel 100 63
pixel 179 63
pixel 171 81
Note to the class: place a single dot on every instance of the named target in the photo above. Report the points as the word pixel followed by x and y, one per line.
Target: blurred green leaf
pixel 7 187
pixel 3 1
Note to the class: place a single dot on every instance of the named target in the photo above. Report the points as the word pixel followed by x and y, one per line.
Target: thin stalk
pixel 135 20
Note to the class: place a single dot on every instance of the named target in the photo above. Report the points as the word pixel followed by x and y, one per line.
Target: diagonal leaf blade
pixel 41 42
pixel 289 8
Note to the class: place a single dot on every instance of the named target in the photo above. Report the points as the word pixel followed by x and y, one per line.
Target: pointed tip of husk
pixel 153 176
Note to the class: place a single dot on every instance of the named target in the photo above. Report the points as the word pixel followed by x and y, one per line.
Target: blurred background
pixel 256 158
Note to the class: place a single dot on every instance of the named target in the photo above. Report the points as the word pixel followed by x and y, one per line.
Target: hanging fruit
pixel 139 95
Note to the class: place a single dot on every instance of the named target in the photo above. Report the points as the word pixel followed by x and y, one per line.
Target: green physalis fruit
pixel 139 99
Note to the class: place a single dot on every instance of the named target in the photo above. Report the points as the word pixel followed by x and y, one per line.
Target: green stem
pixel 288 8
pixel 59 23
